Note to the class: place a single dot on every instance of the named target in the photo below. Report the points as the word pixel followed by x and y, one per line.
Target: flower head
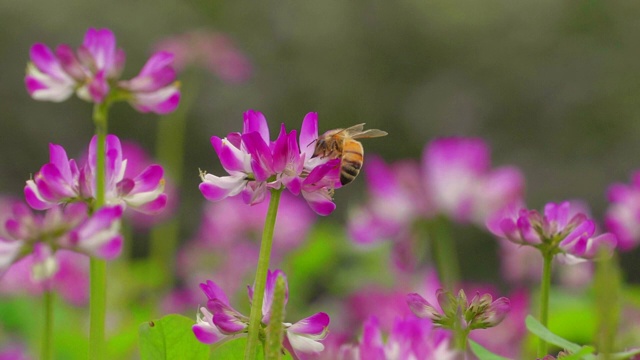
pixel 61 181
pixel 254 164
pixel 560 229
pixel 219 320
pixel 92 71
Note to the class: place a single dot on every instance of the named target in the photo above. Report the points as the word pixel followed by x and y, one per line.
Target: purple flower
pixel 93 70
pixel 461 184
pixel 255 163
pixel 62 181
pixel 561 228
pixel 219 320
pixel 68 228
pixel 623 215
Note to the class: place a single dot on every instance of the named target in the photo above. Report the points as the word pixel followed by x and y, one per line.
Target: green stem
pixel 255 319
pixel 98 267
pixel 544 299
pixel 47 335
pixel 444 252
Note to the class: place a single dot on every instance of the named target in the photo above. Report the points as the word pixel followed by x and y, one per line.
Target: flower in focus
pixel 211 50
pixel 93 70
pixel 255 163
pixel 461 183
pixel 218 320
pixel 60 228
pixel 560 230
pixel 623 215
pixel 61 181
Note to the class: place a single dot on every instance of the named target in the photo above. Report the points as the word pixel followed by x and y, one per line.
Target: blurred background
pixel 552 86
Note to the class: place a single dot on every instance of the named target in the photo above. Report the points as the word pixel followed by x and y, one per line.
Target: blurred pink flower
pixel 461 183
pixel 211 50
pixel 623 215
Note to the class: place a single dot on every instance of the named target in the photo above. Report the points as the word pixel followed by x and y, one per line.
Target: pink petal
pixel 320 202
pixel 255 121
pixel 215 188
pixel 309 134
pixel 315 326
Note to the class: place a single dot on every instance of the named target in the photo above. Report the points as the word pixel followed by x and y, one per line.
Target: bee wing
pixel 355 129
pixel 370 133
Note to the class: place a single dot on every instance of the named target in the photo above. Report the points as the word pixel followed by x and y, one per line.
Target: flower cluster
pixel 60 228
pixel 559 230
pixel 457 313
pixel 218 320
pixel 255 163
pixel 63 181
pixel 93 73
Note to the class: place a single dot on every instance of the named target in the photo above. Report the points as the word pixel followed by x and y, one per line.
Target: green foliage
pixel 170 338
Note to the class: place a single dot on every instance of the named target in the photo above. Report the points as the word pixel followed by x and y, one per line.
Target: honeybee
pixel 341 144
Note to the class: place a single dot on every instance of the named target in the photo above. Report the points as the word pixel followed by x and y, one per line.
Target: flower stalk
pixel 444 252
pixel 255 318
pixel 98 267
pixel 545 286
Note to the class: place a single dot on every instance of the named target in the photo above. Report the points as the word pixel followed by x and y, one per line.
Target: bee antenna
pixel 314 140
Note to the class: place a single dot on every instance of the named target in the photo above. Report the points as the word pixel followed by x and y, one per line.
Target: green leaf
pixel 542 332
pixel 484 354
pixel 233 349
pixel 170 338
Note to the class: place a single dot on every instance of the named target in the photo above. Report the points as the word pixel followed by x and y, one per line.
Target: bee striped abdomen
pixel 352 159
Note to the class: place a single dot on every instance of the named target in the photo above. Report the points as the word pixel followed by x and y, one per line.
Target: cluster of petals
pixel 623 215
pixel 480 313
pixel 255 164
pixel 211 50
pixel 61 227
pixel 219 321
pixel 93 72
pixel 454 180
pixel 63 181
pixel 559 229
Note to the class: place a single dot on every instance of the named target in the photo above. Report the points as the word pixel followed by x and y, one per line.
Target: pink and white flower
pixel 219 320
pixel 61 181
pixel 93 70
pixel 255 163
pixel 561 228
